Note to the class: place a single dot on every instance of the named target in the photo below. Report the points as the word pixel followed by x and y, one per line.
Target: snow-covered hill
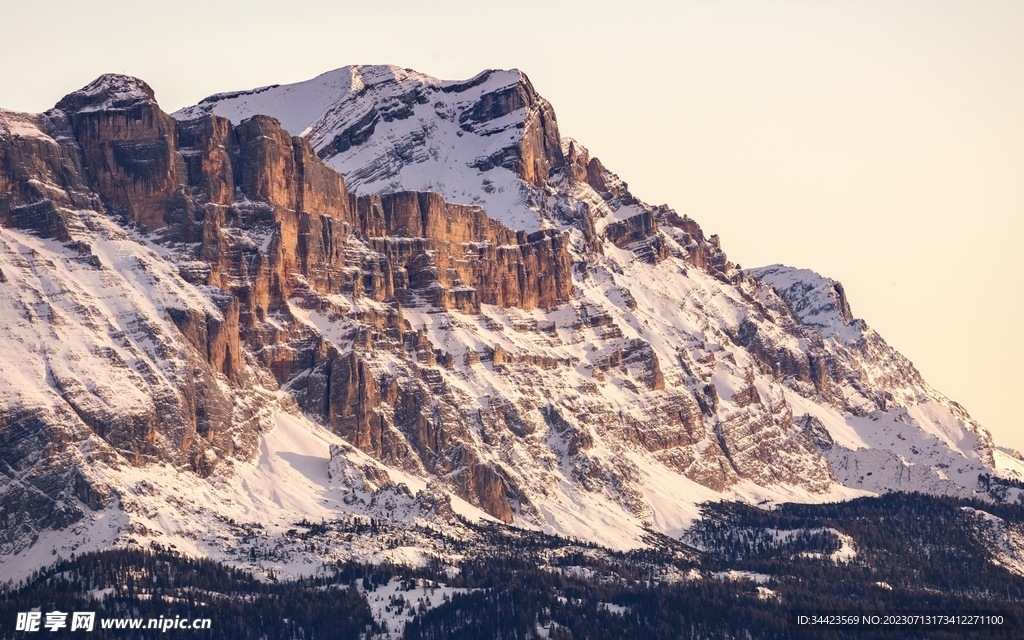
pixel 210 340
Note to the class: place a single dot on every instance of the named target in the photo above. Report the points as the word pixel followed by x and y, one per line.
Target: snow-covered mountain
pixel 427 306
pixel 388 129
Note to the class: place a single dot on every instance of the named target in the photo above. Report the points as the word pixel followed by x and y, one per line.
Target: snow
pixel 672 498
pixel 294 455
pixel 732 574
pixel 68 323
pixel 839 428
pixel 383 599
pixel 846 552
pixel 921 441
pixel 675 500
pixel 900 448
pixel 295 106
pixel 22 125
pixel 428 149
pixel 286 484
pixel 118 91
pixel 1006 542
pixel 1008 464
pixel 613 608
pixel 815 298
pixel 920 448
pixel 99 532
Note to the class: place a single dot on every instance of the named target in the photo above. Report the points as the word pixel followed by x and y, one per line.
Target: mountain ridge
pixel 597 374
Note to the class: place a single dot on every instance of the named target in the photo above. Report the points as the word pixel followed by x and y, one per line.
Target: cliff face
pixel 129 151
pixel 40 175
pixel 209 189
pixel 488 310
pixel 538 152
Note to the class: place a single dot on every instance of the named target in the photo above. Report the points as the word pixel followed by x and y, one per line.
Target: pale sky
pixel 878 143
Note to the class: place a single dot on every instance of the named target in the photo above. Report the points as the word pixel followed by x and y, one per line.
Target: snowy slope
pixel 916 438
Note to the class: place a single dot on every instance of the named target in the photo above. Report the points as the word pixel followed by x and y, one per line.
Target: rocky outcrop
pixel 353 395
pixel 639 356
pixel 214 336
pixel 580 167
pixel 454 257
pixel 639 234
pixel 406 246
pixel 130 151
pixel 207 144
pixel 539 151
pixel 41 176
pixel 365 477
pixel 703 253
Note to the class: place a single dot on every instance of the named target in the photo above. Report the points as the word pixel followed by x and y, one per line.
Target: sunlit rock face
pixel 452 292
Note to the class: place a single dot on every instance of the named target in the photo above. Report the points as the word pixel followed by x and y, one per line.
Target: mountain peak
pixel 368 75
pixel 299 105
pixel 110 91
pixel 490 140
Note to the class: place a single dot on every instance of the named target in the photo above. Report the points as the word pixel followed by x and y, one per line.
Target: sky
pixel 878 143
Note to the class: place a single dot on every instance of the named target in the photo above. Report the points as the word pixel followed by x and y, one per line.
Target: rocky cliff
pixel 430 287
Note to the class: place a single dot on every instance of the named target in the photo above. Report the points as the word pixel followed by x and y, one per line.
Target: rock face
pixel 208 188
pixel 129 148
pixel 478 305
pixel 40 176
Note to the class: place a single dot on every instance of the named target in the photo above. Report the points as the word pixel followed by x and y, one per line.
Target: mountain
pixel 380 297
